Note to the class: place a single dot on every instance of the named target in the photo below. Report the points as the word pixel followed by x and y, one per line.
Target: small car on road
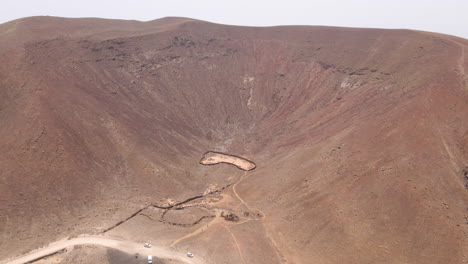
pixel 147 245
pixel 190 255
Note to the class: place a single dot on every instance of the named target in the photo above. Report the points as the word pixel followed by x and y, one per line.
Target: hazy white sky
pixel 445 16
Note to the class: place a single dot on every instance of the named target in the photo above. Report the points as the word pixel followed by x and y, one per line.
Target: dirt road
pixel 122 245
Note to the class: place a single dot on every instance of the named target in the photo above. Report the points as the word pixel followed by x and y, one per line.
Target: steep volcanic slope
pixel 359 137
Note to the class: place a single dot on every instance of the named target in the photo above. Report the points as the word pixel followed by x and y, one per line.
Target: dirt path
pixel 198 231
pixel 461 64
pixel 217 219
pixel 279 254
pixel 122 245
pixel 461 61
pixel 159 252
pixel 235 192
pixel 237 244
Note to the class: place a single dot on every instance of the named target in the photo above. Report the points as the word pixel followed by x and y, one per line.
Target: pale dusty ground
pixel 122 245
pixel 211 158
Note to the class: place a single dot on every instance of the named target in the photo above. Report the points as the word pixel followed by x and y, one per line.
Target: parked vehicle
pixel 147 245
pixel 190 255
pixel 150 259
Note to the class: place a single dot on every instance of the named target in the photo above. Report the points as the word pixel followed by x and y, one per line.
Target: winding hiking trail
pixel 245 165
pixel 279 254
pixel 461 64
pixel 159 252
pixel 237 195
pixel 122 245
pixel 196 232
pixel 235 242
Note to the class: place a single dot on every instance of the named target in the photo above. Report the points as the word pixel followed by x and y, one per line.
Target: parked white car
pixel 150 259
pixel 190 255
pixel 147 245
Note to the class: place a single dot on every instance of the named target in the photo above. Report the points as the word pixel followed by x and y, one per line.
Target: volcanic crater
pixel 358 138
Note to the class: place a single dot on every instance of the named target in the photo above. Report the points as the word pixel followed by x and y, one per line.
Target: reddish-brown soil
pixel 360 138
